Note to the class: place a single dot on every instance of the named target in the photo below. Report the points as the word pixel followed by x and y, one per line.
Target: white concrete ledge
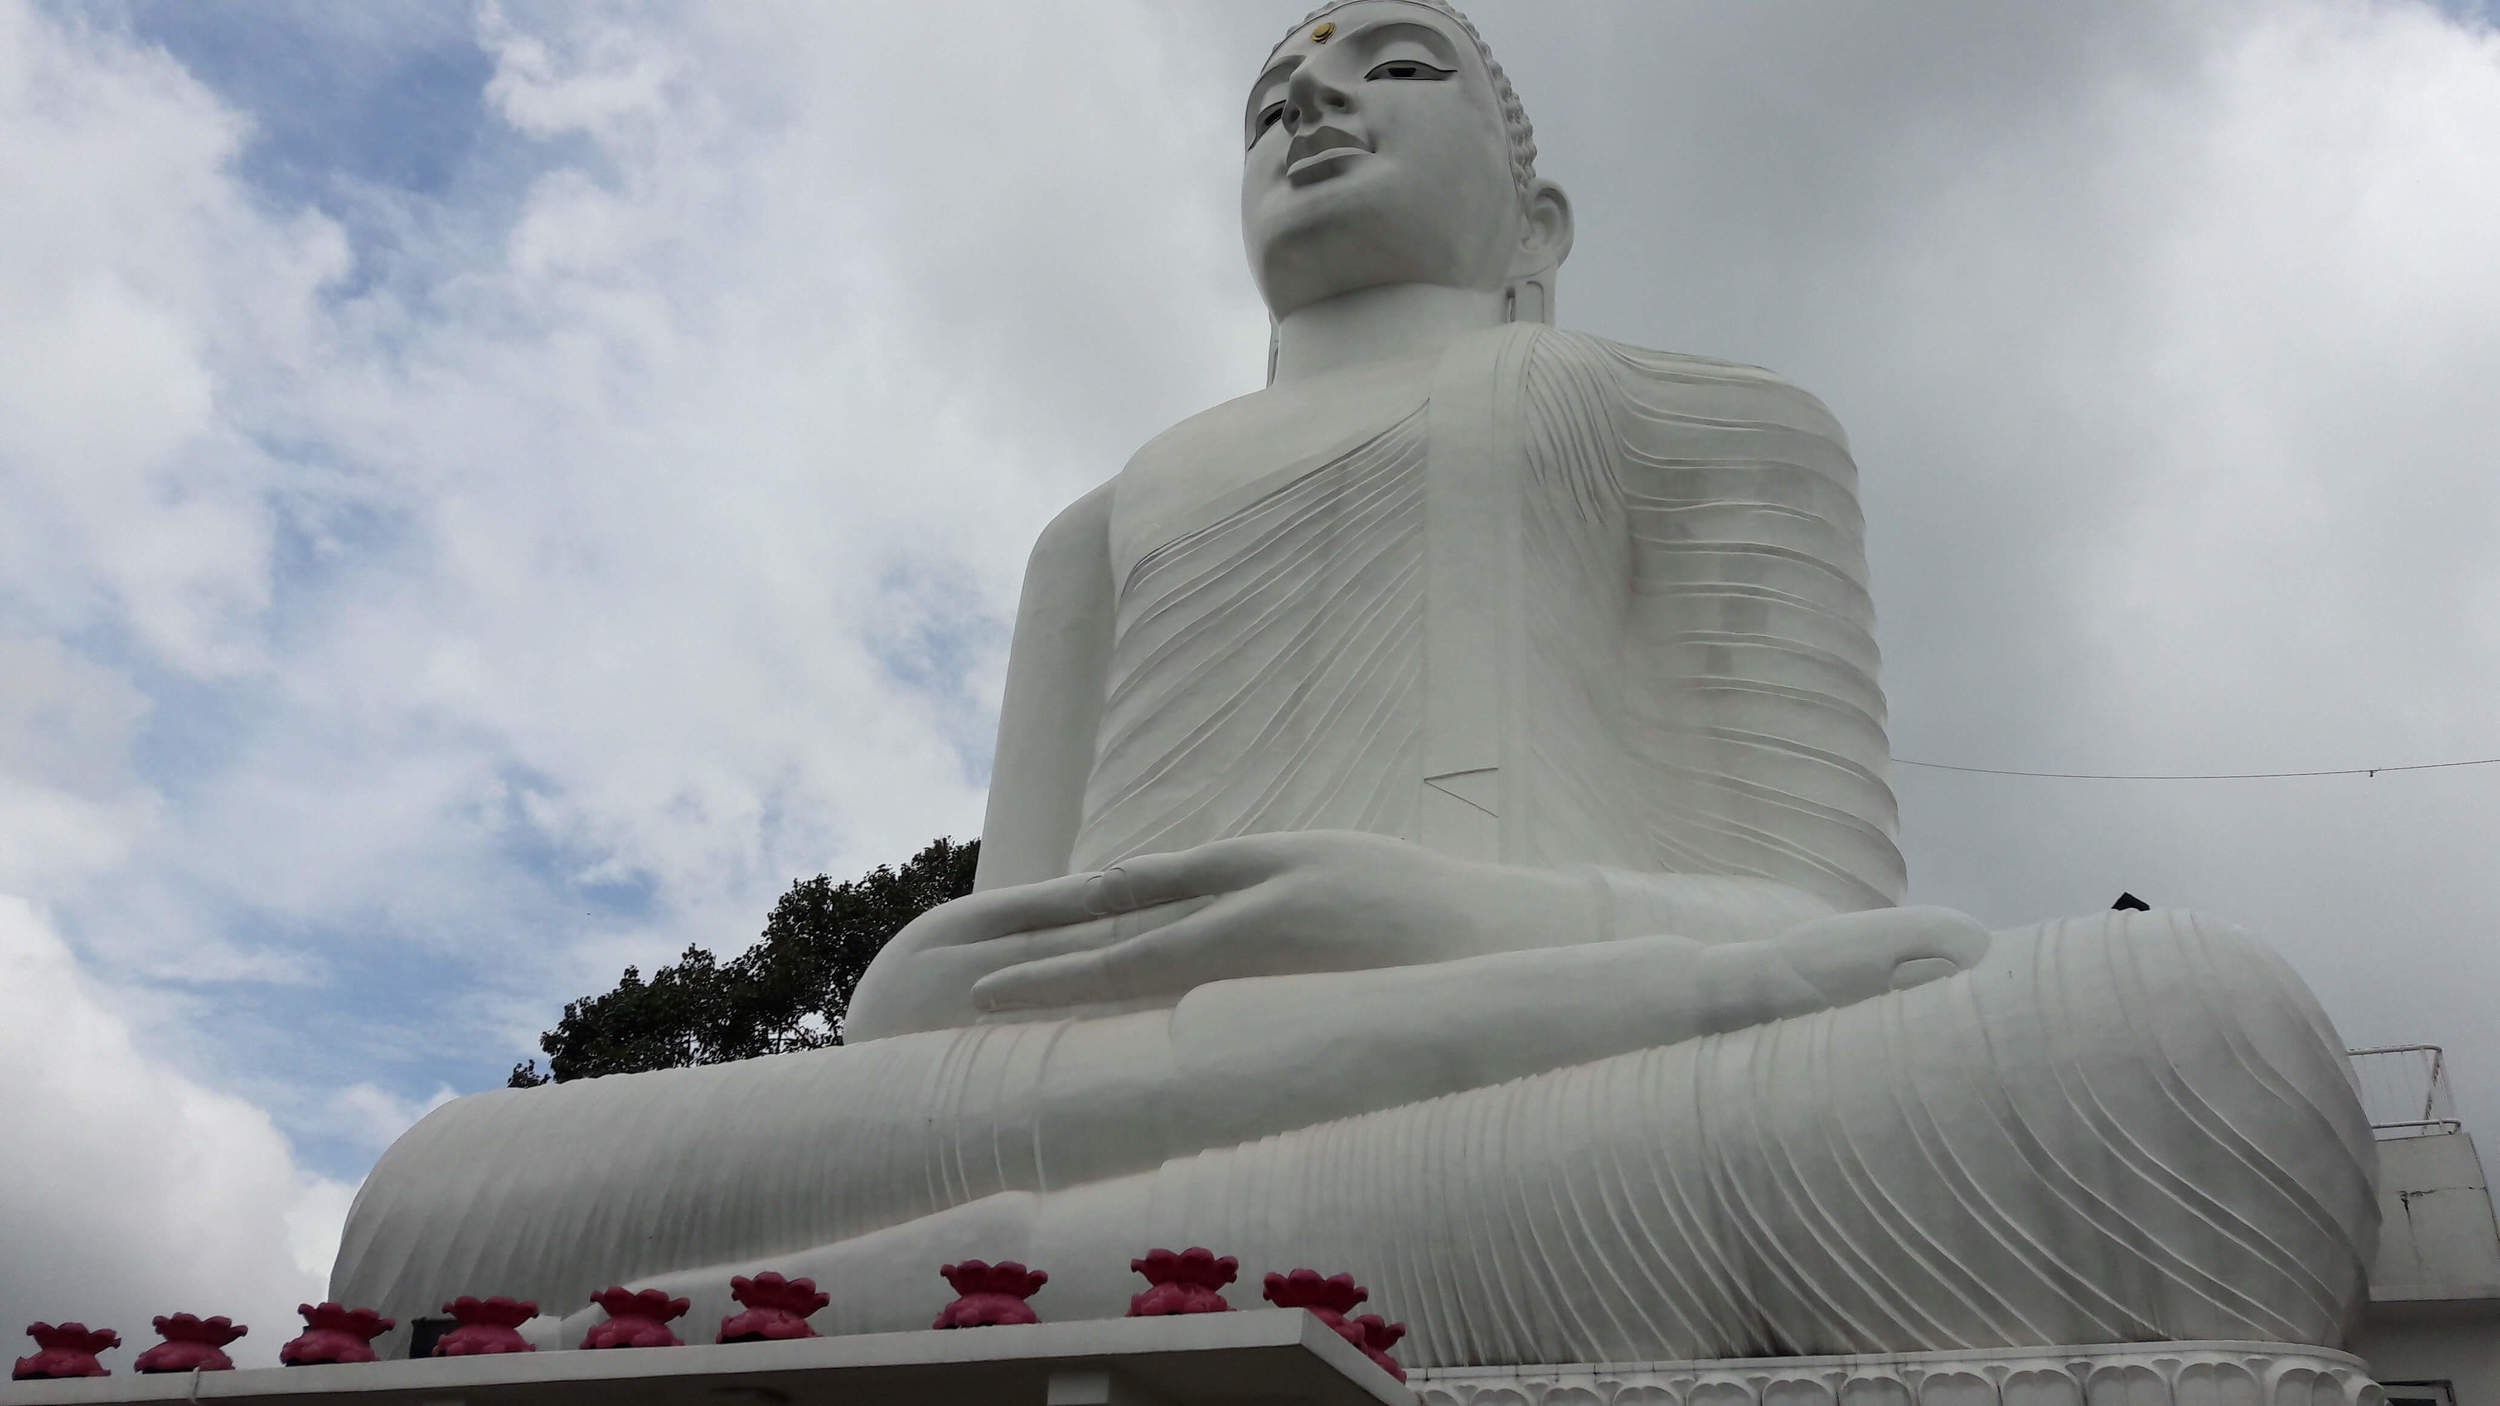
pixel 2108 1374
pixel 1266 1357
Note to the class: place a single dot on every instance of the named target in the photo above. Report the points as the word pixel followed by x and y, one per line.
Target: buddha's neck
pixel 1373 325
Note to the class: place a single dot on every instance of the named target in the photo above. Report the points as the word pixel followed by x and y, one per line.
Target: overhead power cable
pixel 2191 775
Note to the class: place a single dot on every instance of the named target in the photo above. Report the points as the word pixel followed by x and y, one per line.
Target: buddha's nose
pixel 1311 99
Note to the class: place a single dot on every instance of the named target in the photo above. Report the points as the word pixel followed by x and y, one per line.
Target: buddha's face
pixel 1378 155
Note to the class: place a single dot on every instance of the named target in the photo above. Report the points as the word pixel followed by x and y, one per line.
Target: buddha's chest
pixel 1221 462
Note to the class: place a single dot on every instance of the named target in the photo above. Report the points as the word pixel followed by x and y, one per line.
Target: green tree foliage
pixel 787 992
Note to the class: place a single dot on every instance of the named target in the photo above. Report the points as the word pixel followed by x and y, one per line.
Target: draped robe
pixel 1586 604
pixel 1583 607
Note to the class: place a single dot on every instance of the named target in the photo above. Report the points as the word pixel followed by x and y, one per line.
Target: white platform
pixel 1264 1358
pixel 2119 1374
pixel 1269 1357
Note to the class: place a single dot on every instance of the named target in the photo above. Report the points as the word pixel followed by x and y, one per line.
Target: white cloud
pixel 374 1116
pixel 661 545
pixel 146 288
pixel 127 1189
pixel 73 805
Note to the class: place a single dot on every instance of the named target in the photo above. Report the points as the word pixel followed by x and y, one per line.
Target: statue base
pixel 2112 1374
pixel 1266 1357
pixel 1263 1357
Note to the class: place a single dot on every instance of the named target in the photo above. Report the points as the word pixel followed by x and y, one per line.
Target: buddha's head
pixel 1387 147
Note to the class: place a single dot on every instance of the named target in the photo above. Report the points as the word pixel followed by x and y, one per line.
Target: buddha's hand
pixel 1835 961
pixel 1154 928
pixel 922 979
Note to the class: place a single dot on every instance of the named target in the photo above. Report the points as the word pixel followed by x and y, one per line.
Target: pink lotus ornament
pixel 333 1332
pixel 777 1308
pixel 64 1350
pixel 192 1344
pixel 1184 1283
pixel 1330 1299
pixel 487 1326
pixel 636 1320
pixel 990 1294
pixel 1376 1337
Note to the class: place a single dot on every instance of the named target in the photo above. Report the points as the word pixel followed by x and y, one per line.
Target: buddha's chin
pixel 1341 197
pixel 1341 251
pixel 1367 220
pixel 1340 220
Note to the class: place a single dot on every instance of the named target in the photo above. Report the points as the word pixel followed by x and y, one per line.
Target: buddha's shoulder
pixel 1673 382
pixel 1080 531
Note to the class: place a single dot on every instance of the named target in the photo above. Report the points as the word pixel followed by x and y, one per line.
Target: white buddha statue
pixel 1440 832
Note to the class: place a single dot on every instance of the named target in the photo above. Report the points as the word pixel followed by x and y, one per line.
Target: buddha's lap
pixel 2129 1126
pixel 2132 1085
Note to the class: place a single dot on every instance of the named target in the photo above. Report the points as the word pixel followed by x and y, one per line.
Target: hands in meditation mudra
pixel 1439 830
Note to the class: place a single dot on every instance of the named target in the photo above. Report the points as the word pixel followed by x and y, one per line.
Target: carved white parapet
pixel 2118 1374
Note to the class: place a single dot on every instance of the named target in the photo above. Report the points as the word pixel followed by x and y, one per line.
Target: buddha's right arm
pixel 1056 664
pixel 1052 706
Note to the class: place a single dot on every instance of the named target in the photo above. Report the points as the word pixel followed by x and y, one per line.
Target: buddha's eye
pixel 1410 70
pixel 1268 117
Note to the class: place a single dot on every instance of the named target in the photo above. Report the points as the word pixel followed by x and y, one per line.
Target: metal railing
pixel 2404 1090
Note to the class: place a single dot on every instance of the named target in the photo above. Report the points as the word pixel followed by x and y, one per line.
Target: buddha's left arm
pixel 1257 1056
pixel 1749 759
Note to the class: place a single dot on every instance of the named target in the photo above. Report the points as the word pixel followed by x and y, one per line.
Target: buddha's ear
pixel 1543 245
pixel 1545 241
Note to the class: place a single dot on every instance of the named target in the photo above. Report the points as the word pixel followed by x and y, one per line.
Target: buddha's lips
pixel 1314 146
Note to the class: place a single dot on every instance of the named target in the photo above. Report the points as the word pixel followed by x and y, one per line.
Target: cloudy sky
pixel 489 494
